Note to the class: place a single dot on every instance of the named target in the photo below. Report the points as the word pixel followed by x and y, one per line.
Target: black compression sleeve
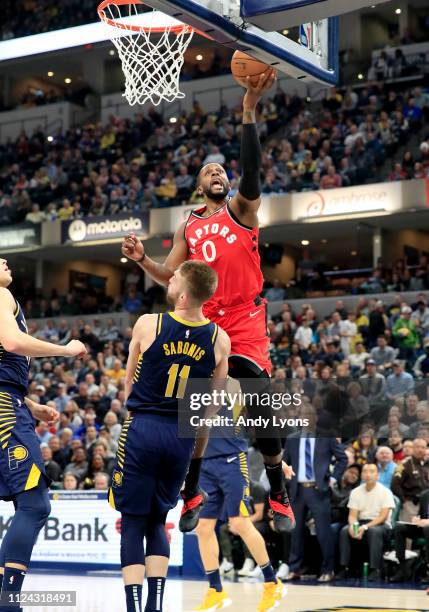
pixel 251 161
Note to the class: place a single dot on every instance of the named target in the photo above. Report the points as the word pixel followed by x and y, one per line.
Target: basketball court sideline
pixel 104 593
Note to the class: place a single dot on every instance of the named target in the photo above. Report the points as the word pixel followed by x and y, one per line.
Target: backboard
pixel 256 27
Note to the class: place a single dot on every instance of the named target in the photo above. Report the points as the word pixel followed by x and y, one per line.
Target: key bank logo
pixel 80 230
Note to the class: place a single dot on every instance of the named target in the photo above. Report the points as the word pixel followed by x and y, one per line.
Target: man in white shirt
pixel 370 507
pixel 358 359
pixel 348 330
pixel 304 335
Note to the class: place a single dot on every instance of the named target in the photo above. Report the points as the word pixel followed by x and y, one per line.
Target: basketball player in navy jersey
pixel 225 478
pixel 23 479
pixel 152 461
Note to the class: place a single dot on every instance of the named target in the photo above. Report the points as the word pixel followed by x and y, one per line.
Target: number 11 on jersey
pixel 173 374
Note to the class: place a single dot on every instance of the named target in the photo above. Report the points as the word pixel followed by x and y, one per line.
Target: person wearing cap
pixel 399 383
pixel 405 333
pixel 421 367
pixel 373 384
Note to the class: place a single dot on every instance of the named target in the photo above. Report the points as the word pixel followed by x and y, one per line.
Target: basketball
pixel 242 66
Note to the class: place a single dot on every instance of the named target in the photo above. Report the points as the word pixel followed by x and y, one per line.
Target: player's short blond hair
pixel 201 280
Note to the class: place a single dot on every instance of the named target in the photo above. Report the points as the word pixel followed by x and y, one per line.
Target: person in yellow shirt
pixel 117 372
pixel 108 139
pixel 168 188
pixel 66 211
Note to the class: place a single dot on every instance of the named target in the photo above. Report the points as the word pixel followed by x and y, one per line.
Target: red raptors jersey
pixel 231 249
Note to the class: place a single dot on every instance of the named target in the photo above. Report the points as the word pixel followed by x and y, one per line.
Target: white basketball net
pixel 151 47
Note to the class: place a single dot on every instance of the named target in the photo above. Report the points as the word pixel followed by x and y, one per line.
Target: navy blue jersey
pixel 228 439
pixel 15 369
pixel 181 350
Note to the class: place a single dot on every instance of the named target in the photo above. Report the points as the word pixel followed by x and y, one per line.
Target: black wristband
pixel 141 260
pixel 251 162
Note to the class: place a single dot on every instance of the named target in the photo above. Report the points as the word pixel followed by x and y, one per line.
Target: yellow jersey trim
pixel 188 323
pixel 158 329
pixel 33 478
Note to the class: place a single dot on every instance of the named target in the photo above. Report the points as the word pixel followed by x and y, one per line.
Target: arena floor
pixel 105 594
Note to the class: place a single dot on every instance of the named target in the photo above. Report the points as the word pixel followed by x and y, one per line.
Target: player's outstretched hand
pixel 75 348
pixel 132 247
pixel 45 413
pixel 255 92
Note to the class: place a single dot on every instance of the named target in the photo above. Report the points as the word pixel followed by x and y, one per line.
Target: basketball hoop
pixel 151 47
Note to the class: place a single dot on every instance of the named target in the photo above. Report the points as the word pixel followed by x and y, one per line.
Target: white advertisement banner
pixel 82 528
pixel 379 197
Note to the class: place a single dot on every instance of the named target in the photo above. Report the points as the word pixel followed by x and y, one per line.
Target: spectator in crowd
pixel 276 293
pixel 421 366
pixel 393 424
pixel 70 482
pixel 340 494
pixel 78 464
pixel 399 383
pixel 373 384
pixel 385 465
pixel 53 470
pixel 364 447
pixel 383 354
pixel 405 332
pixel 101 481
pixel 410 479
pixel 370 506
pixel 419 527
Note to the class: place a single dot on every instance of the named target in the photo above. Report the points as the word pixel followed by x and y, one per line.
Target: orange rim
pixel 131 28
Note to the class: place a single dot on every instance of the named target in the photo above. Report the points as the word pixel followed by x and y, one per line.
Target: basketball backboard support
pixel 237 24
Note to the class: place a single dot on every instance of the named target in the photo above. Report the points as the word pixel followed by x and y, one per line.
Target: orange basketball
pixel 242 66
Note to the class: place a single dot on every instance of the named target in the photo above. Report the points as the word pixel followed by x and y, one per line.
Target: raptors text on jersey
pixel 231 249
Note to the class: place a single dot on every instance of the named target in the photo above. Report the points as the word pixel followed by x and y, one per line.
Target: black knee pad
pixel 133 531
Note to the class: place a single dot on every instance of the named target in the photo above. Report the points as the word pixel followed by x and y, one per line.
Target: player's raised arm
pixel 14 340
pixel 133 249
pixel 246 202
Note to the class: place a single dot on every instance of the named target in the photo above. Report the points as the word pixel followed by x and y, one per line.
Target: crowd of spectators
pixel 26 17
pixel 393 64
pixel 394 278
pixel 149 162
pixel 348 338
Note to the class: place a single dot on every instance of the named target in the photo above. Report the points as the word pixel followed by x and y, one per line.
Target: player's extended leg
pixel 273 588
pixel 133 531
pixel 216 598
pixel 157 557
pixel 32 509
pixel 253 379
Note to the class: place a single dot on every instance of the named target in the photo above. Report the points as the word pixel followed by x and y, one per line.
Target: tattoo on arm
pixel 249 116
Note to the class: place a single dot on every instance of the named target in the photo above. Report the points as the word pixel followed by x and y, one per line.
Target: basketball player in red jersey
pixel 224 233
